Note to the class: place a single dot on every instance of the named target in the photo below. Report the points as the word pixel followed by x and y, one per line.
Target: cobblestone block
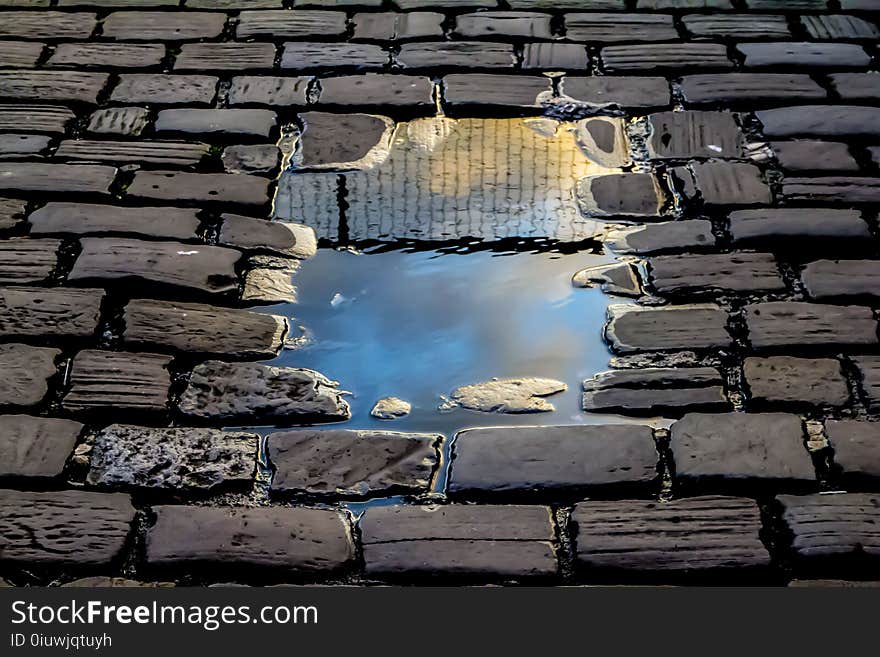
pixel 222 391
pixel 108 55
pixel 650 57
pixel 724 183
pixel 634 92
pixel 88 218
pixel 210 187
pixel 462 54
pixel 869 368
pixel 47 25
pixel 300 55
pixel 536 459
pixel 731 447
pixel 749 88
pixel 40 177
pixel 839 26
pixel 832 279
pixel 501 541
pixel 488 89
pixel 781 225
pixel 64 528
pixel 377 89
pixel 44 85
pixel 20 54
pixel 35 118
pixel 393 26
pixel 736 272
pixel 26 373
pixel 35 446
pixel 25 261
pixel 794 323
pixel 158 89
pixel 268 90
pixel 555 57
pixel 202 329
pixel 802 55
pixel 209 269
pixel 820 121
pixel 651 389
pixel 251 159
pixel 693 536
pixel 167 153
pixel 663 236
pixel 296 539
pixel 119 382
pixel 128 121
pixel 620 195
pixel 163 25
pixel 285 23
pixel 225 56
pixel 856 86
pixel 788 380
pixel 257 122
pixel 856 447
pixel 12 212
pixel 737 26
pixel 503 24
pixel 178 459
pixel 616 27
pixel 277 237
pixel 681 135
pixel 49 312
pixel 832 189
pixel 833 533
pixel 804 155
pixel 358 463
pixel 13 146
pixel 632 329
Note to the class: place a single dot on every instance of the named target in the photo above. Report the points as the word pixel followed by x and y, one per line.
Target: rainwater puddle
pixel 416 325
pixel 408 316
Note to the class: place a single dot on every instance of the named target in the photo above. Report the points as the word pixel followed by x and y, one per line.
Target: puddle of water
pixel 416 325
pixel 446 179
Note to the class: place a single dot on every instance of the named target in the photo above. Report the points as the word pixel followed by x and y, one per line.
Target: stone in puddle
pixel 620 279
pixel 655 388
pixel 391 408
pixel 173 459
pixel 603 139
pixel 524 395
pixel 35 446
pixel 26 373
pixel 70 527
pixel 530 459
pixel 620 195
pixel 201 328
pixel 358 141
pixel 270 281
pixel 223 391
pixel 488 540
pixel 352 462
pixel 278 237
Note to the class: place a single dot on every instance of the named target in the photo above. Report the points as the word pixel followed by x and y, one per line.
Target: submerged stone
pixel 524 395
pixel 391 408
pixel 612 279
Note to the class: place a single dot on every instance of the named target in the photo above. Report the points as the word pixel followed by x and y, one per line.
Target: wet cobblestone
pixel 143 152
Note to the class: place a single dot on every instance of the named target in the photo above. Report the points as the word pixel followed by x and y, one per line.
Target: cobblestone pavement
pixel 139 160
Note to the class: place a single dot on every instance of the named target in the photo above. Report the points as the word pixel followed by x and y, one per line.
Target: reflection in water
pixel 416 325
pixel 447 179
